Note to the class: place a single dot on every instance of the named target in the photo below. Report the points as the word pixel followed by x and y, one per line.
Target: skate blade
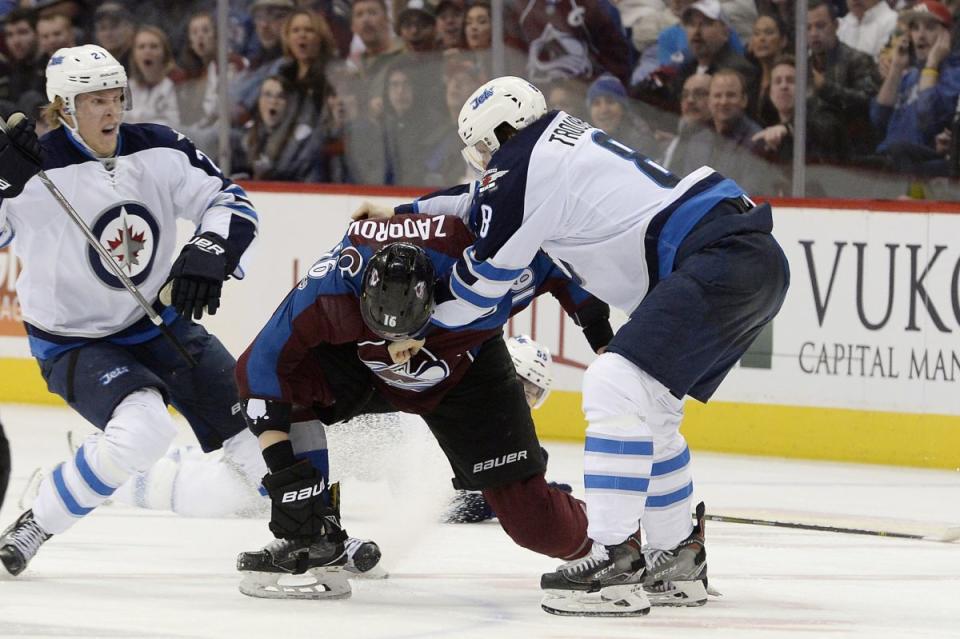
pixel 686 594
pixel 612 601
pixel 316 583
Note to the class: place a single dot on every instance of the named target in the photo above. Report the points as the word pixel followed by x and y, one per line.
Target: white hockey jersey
pixel 607 214
pixel 66 291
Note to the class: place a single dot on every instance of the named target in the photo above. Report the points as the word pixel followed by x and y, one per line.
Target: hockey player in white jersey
pixel 692 262
pixel 95 347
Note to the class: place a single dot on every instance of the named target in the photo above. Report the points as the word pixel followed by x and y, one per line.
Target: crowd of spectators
pixel 368 91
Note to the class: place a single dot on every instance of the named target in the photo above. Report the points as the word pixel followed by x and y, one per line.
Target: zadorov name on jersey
pixel 394 229
pixel 496 462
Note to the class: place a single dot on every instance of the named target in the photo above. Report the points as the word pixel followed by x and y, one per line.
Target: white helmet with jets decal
pixel 509 100
pixel 84 69
pixel 533 362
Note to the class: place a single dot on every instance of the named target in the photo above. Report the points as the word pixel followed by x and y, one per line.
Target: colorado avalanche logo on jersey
pixel 131 235
pixel 421 373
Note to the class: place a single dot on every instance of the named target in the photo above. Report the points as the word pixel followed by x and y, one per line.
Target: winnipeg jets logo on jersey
pixel 131 235
pixel 420 373
pixel 489 180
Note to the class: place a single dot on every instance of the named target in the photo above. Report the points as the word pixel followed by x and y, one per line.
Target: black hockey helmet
pixel 396 298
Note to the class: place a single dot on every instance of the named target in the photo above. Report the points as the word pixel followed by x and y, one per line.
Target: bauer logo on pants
pixel 496 462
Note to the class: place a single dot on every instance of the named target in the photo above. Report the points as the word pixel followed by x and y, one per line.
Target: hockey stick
pixel 946 535
pixel 104 255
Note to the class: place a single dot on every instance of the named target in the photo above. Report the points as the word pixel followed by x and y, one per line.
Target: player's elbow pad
pixel 262 415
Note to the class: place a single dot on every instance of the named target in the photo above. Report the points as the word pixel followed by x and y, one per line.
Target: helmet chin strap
pixel 74 132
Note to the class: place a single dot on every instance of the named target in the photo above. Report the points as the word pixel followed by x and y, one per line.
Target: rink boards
pixel 862 363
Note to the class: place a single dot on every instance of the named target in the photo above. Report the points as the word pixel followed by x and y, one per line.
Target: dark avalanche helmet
pixel 396 298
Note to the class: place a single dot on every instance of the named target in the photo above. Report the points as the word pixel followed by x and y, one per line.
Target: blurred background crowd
pixel 368 91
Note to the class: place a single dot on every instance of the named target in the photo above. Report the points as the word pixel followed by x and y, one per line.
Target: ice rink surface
pixel 123 572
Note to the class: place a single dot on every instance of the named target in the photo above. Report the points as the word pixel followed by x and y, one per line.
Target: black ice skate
pixel 606 583
pixel 20 542
pixel 310 568
pixel 316 570
pixel 678 577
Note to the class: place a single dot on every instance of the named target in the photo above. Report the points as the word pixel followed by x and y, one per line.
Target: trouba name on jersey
pixel 568 131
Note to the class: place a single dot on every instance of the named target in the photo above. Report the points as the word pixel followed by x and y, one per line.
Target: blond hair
pixel 328 44
pixel 53 112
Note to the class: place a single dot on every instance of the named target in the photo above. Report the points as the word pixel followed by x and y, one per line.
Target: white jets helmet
pixel 533 362
pixel 508 99
pixel 84 69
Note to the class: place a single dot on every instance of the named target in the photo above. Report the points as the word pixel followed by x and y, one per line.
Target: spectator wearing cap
pixel 867 26
pixel 708 35
pixel 450 15
pixel 842 78
pixel 25 69
pixel 113 29
pixel 417 26
pixel 610 111
pixel 919 95
pixel 269 16
pixel 673 48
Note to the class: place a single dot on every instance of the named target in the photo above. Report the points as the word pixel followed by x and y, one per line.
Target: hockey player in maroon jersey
pixel 351 338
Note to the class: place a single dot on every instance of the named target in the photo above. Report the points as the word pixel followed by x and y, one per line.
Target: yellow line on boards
pixel 901 439
pixel 873 437
pixel 21 382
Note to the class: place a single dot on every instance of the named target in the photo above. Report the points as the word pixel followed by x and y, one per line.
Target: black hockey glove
pixel 197 276
pixel 20 155
pixel 298 510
